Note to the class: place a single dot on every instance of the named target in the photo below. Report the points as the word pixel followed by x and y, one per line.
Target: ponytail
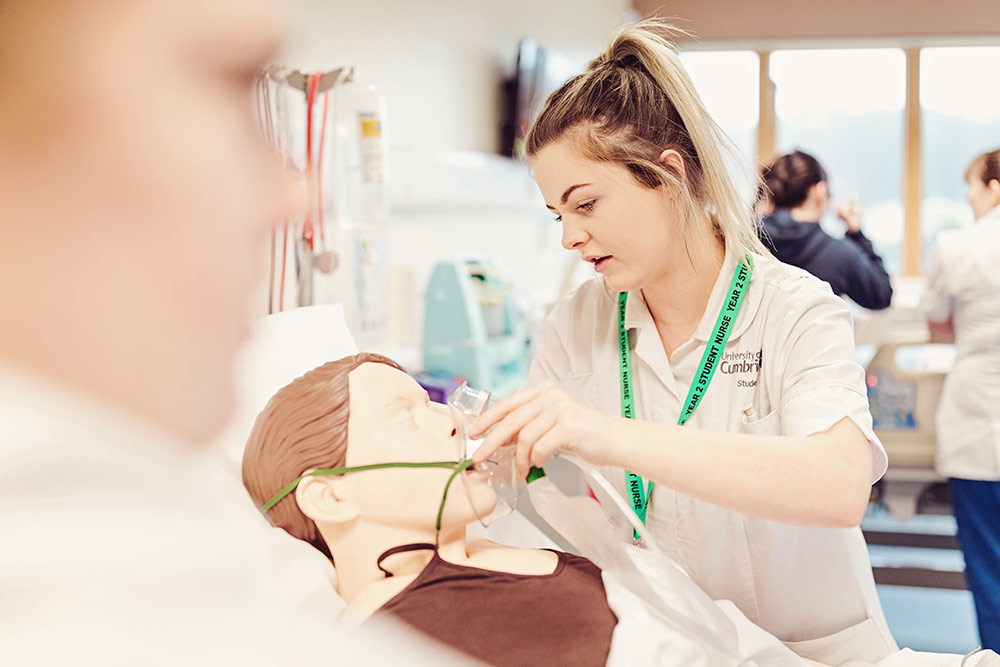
pixel 633 102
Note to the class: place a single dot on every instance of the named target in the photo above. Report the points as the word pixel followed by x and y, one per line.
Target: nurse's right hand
pixel 541 420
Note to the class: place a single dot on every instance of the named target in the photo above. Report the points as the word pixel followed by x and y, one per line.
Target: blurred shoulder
pixel 792 288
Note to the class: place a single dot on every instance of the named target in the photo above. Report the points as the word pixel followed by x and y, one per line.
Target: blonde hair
pixel 633 102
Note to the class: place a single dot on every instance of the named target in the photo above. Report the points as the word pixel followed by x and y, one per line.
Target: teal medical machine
pixel 473 327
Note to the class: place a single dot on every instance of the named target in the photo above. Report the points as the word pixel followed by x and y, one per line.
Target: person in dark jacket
pixel 797 188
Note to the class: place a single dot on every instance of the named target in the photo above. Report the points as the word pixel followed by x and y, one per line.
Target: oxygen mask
pixel 466 404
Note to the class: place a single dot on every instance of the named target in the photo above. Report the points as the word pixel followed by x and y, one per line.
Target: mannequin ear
pixel 316 499
pixel 672 160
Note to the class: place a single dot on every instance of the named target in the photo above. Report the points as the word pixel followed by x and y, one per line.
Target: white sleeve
pixel 937 302
pixel 820 379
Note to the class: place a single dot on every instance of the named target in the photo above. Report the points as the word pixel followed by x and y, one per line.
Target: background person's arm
pixel 937 302
pixel 865 278
pixel 942 332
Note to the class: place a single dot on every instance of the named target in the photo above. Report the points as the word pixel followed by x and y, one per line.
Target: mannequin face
pixel 982 197
pixel 611 216
pixel 393 420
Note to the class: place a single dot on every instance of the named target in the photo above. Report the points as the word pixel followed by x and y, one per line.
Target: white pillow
pixel 282 347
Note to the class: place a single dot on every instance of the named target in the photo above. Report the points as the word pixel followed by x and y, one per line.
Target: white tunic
pixel 963 282
pixel 789 368
pixel 122 546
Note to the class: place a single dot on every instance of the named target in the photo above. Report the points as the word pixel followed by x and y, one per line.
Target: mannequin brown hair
pixel 302 427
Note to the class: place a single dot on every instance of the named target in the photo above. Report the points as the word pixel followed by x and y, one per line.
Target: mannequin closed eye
pixel 400 411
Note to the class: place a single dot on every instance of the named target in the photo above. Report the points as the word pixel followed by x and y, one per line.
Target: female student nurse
pixel 759 493
pixel 963 306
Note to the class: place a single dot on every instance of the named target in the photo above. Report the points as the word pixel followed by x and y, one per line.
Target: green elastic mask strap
pixel 444 497
pixel 458 466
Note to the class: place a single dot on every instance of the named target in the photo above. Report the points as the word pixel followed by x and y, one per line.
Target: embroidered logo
pixel 742 363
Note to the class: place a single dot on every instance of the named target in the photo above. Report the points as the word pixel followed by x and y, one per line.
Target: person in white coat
pixel 962 303
pixel 135 201
pixel 717 386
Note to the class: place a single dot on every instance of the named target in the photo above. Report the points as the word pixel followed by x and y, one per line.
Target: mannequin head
pixel 356 411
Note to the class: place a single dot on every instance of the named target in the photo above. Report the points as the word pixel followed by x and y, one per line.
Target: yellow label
pixel 371 127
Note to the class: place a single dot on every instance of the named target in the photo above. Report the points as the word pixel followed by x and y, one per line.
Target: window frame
pixel 911 159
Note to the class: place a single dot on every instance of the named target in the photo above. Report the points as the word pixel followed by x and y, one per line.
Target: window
pixel 845 108
pixel 960 106
pixel 727 82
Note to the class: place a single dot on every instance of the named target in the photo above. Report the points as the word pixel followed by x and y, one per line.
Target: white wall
pixel 440 65
pixel 440 62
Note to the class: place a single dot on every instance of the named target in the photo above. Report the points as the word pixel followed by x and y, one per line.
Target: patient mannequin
pixel 501 604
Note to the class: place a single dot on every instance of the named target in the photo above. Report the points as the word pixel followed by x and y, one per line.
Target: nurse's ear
pixel 317 499
pixel 671 159
pixel 993 187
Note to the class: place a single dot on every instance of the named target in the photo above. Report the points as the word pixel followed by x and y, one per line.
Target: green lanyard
pixel 638 496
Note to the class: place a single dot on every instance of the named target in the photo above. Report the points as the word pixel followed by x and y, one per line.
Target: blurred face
pixel 627 232
pixel 142 194
pixel 982 197
pixel 393 420
pixel 821 192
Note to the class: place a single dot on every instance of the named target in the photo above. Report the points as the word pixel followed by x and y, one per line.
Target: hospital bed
pixel 287 344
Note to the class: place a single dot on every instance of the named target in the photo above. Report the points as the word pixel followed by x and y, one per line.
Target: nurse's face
pixel 982 197
pixel 626 231
pixel 393 420
pixel 139 193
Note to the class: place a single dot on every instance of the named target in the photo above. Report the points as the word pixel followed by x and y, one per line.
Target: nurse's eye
pixel 558 218
pixel 587 206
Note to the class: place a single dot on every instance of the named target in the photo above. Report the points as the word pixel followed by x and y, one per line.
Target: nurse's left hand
pixel 541 420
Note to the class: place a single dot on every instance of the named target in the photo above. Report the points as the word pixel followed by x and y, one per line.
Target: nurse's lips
pixel 599 261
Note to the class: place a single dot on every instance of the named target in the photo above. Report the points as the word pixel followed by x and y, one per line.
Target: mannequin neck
pixel 357 548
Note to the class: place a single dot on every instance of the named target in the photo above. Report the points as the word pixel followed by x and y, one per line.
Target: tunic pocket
pixel 578 386
pixel 770 424
pixel 862 642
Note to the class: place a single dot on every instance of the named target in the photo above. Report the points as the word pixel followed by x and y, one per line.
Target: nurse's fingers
pixel 528 438
pixel 503 407
pixel 522 457
pixel 507 428
pixel 538 426
pixel 547 446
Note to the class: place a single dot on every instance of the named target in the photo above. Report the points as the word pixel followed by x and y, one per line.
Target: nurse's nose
pixel 574 236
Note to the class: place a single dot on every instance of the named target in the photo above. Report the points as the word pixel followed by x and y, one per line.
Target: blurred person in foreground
pixel 135 200
pixel 962 303
pixel 796 187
